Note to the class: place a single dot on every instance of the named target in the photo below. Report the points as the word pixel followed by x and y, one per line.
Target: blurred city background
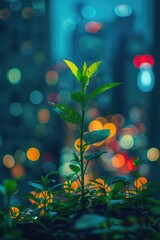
pixel 35 37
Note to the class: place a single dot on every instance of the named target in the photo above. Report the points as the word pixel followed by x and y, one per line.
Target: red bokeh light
pixel 140 59
pixel 130 164
pixel 93 27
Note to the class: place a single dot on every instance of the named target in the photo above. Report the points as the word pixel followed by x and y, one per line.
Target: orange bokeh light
pixel 139 182
pixel 70 187
pixel 33 154
pixel 44 115
pixel 14 212
pixel 77 145
pixel 99 184
pixel 112 128
pixel 95 125
pixel 118 160
pixel 18 171
pixel 8 161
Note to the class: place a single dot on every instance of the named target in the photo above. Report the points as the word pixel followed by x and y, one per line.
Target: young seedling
pixel 69 114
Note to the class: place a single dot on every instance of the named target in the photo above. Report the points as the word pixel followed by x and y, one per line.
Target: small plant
pixel 69 114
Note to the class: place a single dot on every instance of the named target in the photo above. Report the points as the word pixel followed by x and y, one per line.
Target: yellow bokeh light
pixel 71 186
pixel 14 212
pixel 139 182
pixel 47 196
pixel 118 160
pixel 99 184
pixel 95 125
pixel 112 128
pixel 33 154
pixel 77 145
pixel 43 115
pixel 8 161
pixel 153 154
pixel 127 141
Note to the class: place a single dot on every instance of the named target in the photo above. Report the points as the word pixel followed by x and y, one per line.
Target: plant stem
pixel 81 157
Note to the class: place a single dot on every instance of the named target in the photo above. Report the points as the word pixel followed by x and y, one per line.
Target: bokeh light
pixel 126 141
pixel 18 171
pixel 15 109
pixel 8 161
pixel 20 156
pixel 123 10
pixel 14 75
pixel 89 12
pixel 118 160
pixel 77 145
pixel 146 78
pixel 27 13
pixel 95 125
pixel 93 27
pixel 36 97
pixel 112 128
pixel 43 115
pixel 33 154
pixel 130 164
pixel 68 25
pixel 143 59
pixel 51 77
pixel 153 154
pixel 4 14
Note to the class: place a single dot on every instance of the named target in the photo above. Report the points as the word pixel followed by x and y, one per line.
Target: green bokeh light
pixel 14 75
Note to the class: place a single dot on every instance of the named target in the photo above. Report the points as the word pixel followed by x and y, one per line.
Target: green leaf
pixel 75 168
pixel 36 185
pixel 89 221
pixel 67 113
pixel 97 154
pixel 96 136
pixel 78 97
pixel 118 186
pixel 31 196
pixel 92 69
pixel 102 89
pixel 84 68
pixel 126 180
pixel 74 69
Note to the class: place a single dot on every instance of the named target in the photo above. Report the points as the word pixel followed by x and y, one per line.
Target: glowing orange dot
pixel 33 154
pixel 36 195
pixel 8 161
pixel 130 193
pixel 77 145
pixel 95 125
pixel 112 128
pixel 71 186
pixel 99 184
pixel 47 196
pixel 14 212
pixel 138 183
pixel 18 171
pixel 118 160
pixel 44 115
